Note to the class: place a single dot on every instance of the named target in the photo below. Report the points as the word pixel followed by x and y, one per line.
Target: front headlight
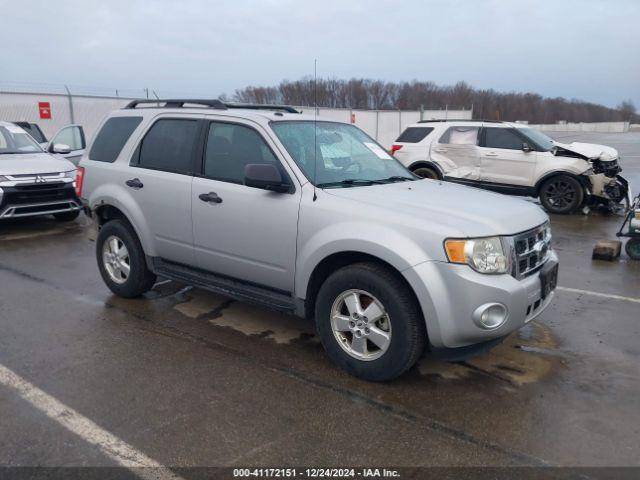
pixel 70 174
pixel 484 255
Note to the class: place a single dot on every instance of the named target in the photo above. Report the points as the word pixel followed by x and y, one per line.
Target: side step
pixel 238 289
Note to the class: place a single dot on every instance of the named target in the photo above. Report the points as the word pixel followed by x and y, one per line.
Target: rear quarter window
pixel 112 137
pixel 414 134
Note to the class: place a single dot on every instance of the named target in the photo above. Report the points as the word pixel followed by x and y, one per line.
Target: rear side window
pixel 112 137
pixel 169 146
pixel 502 138
pixel 460 136
pixel 414 134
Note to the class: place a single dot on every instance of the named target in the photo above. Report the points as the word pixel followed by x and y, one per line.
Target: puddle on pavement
pixel 245 318
pixel 525 356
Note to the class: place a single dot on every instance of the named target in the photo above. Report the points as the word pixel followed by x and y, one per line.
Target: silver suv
pixel 32 181
pixel 314 218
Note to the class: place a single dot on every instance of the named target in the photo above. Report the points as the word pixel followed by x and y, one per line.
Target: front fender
pixel 120 198
pixel 361 237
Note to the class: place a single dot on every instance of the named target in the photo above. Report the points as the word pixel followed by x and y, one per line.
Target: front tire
pixel 369 322
pixel 67 216
pixel 121 260
pixel 561 194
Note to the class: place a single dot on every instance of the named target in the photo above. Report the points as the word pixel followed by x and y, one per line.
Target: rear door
pixel 457 151
pixel 159 179
pixel 71 136
pixel 502 159
pixel 246 233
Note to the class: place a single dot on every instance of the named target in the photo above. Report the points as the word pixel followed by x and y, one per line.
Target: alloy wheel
pixel 361 325
pixel 115 258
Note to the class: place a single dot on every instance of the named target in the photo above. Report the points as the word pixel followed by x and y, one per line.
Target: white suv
pixel 515 159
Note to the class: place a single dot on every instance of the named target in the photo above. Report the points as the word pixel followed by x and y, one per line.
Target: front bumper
pixel 28 200
pixel 449 294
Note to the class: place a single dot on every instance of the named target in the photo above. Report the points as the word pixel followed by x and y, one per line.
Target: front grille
pixel 40 193
pixel 530 250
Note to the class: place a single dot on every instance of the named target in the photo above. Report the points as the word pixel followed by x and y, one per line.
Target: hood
pixel 466 211
pixel 589 151
pixel 32 163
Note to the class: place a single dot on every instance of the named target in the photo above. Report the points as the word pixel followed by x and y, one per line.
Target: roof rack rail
pixel 256 106
pixel 217 104
pixel 461 120
pixel 177 103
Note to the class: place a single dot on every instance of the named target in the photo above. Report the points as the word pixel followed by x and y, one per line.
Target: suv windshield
pixel 338 155
pixel 14 139
pixel 537 137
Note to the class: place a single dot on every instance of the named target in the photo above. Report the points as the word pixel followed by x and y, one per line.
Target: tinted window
pixel 230 148
pixel 414 134
pixel 460 136
pixel 502 138
pixel 169 146
pixel 112 137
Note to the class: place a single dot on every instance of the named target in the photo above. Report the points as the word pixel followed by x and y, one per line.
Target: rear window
pixel 414 134
pixel 112 137
pixel 33 130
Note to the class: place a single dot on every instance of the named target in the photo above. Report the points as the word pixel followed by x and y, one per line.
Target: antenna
pixel 315 128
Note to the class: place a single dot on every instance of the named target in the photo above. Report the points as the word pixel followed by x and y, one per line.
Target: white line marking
pixel 598 294
pixel 109 444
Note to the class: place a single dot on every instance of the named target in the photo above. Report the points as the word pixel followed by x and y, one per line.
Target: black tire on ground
pixel 632 248
pixel 427 172
pixel 408 331
pixel 139 279
pixel 561 194
pixel 66 216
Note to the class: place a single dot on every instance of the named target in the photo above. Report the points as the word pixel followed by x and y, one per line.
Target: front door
pixel 457 150
pixel 243 232
pixel 71 136
pixel 502 159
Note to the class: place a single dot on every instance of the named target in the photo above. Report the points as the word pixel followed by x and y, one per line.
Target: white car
pixel 514 159
pixel 32 181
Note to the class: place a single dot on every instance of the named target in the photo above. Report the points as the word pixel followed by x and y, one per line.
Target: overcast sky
pixel 587 49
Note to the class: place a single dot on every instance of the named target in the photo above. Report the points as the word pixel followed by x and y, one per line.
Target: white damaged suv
pixel 515 159
pixel 313 218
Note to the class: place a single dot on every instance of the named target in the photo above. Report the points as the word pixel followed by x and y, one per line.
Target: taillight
pixel 79 181
pixel 395 148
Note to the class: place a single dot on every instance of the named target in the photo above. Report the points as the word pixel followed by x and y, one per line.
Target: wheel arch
pixel 583 180
pixel 338 260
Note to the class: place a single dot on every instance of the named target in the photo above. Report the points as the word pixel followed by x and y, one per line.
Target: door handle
pixel 134 183
pixel 491 154
pixel 211 197
pixel 440 150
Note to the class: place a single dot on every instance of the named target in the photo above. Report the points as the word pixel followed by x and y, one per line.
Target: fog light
pixel 490 315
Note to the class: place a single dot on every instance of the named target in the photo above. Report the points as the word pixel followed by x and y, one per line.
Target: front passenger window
pixel 502 138
pixel 231 147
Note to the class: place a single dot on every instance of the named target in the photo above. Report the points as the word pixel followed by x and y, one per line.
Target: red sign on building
pixel 45 110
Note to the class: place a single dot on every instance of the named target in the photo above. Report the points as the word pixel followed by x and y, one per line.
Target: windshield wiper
pixel 397 178
pixel 349 182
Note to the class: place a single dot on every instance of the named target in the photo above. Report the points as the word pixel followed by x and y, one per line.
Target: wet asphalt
pixel 191 378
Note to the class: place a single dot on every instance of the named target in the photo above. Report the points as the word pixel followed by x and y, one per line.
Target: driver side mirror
pixel 60 148
pixel 526 147
pixel 266 177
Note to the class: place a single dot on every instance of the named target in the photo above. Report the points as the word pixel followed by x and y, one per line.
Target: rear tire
pixel 66 216
pixel 561 194
pixel 121 260
pixel 632 248
pixel 369 322
pixel 427 172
